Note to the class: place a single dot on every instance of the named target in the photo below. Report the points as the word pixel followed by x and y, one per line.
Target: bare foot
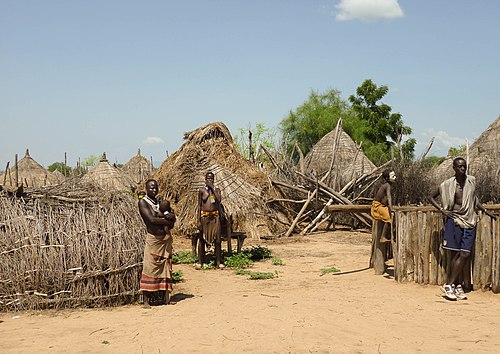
pixel 384 240
pixel 197 266
pixel 222 266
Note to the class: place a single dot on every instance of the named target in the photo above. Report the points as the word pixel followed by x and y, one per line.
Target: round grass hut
pixel 108 177
pixel 30 174
pixel 349 160
pixel 138 168
pixel 246 191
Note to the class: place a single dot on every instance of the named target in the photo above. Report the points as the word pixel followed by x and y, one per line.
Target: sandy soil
pixel 300 311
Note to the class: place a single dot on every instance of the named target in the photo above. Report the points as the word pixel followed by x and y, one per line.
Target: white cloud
pixel 153 140
pixel 442 142
pixel 368 10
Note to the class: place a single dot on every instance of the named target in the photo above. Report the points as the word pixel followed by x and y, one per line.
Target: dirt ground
pixel 300 311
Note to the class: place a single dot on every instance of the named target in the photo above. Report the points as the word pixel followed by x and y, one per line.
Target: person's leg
pixel 201 249
pixel 218 250
pixel 385 231
pixel 457 266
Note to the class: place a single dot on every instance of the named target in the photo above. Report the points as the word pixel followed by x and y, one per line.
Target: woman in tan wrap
pixel 156 279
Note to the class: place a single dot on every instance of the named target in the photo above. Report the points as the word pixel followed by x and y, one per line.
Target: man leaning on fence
pixel 458 204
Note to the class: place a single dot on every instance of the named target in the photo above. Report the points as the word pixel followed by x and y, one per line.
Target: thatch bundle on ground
pixel 66 248
pixel 30 174
pixel 109 177
pixel 138 168
pixel 349 160
pixel 245 189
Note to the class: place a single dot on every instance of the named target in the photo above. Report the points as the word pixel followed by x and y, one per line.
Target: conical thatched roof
pixel 484 155
pixel 138 168
pixel 108 177
pixel 245 189
pixel 60 177
pixel 350 161
pixel 30 174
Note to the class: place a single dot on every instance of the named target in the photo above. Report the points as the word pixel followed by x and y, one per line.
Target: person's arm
pixel 218 195
pixel 389 197
pixel 483 209
pixel 198 211
pixel 148 215
pixel 433 201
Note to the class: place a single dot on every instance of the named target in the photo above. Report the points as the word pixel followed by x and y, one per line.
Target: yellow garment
pixel 380 211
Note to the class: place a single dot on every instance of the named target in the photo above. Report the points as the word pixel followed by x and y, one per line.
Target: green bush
pixel 238 260
pixel 183 257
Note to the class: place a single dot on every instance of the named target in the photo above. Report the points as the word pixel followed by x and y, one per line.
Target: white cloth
pixel 466 216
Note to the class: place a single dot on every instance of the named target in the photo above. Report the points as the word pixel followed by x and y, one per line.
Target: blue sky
pixel 83 77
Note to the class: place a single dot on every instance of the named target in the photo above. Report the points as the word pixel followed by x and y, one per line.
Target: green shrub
pixel 277 261
pixel 258 252
pixel 238 260
pixel 183 257
pixel 177 276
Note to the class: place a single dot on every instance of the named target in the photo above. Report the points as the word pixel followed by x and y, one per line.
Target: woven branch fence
pixel 419 257
pixel 69 252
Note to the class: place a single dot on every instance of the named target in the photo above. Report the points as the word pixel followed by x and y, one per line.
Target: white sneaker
pixel 460 293
pixel 449 292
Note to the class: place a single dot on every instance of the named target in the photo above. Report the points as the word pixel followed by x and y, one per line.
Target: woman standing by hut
pixel 156 279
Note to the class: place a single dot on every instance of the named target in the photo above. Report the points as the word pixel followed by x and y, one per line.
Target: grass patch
pixel 258 252
pixel 177 276
pixel 277 262
pixel 329 270
pixel 183 257
pixel 256 275
pixel 238 260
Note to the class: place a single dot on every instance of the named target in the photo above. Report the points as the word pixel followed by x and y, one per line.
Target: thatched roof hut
pixel 108 177
pixel 138 168
pixel 30 174
pixel 245 189
pixel 484 155
pixel 350 161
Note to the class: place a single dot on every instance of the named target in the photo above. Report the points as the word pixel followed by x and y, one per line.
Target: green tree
pixel 316 117
pixel 61 167
pixel 457 151
pixel 383 129
pixel 90 161
pixel 260 136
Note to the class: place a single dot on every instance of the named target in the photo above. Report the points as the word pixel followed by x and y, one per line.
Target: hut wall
pixel 420 258
pixel 58 254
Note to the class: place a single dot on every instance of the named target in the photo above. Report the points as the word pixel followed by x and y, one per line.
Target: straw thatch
pixel 350 161
pixel 245 189
pixel 138 168
pixel 109 177
pixel 484 155
pixel 69 247
pixel 30 174
pixel 59 176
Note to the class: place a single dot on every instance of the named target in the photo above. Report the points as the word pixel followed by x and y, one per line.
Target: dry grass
pixel 58 251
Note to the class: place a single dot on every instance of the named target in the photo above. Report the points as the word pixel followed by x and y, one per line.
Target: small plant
pixel 256 275
pixel 183 257
pixel 238 260
pixel 210 265
pixel 240 271
pixel 329 270
pixel 258 252
pixel 177 276
pixel 261 275
pixel 276 261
